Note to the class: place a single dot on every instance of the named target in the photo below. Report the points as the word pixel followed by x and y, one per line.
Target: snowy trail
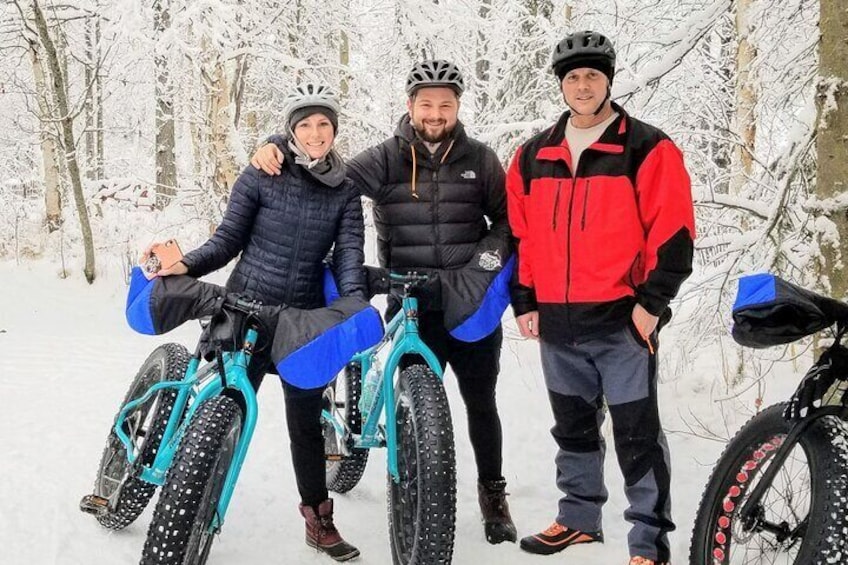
pixel 66 359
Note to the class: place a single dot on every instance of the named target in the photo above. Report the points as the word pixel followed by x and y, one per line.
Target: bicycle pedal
pixel 333 457
pixel 93 504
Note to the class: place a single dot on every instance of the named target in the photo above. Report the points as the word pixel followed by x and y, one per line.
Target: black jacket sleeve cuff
pixel 654 305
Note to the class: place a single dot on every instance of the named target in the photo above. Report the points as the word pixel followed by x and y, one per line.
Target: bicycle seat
pixel 771 311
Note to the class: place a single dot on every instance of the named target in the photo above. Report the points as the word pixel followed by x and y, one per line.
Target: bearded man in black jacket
pixel 439 202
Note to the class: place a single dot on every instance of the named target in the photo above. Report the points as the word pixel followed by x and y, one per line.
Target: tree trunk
pixel 52 184
pixel 98 104
pixel 481 70
pixel 166 162
pixel 221 127
pixel 745 123
pixel 831 141
pixel 344 61
pixel 60 92
pixel 543 9
pixel 91 65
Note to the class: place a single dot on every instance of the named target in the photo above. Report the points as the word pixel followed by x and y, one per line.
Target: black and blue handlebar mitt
pixel 771 311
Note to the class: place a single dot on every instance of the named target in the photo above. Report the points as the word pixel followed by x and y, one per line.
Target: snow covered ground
pixel 66 360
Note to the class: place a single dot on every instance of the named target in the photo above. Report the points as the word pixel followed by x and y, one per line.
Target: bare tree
pixel 50 162
pixel 166 159
pixel 745 123
pixel 832 150
pixel 93 101
pixel 66 120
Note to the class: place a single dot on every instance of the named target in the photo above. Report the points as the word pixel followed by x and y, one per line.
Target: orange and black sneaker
pixel 645 561
pixel 556 538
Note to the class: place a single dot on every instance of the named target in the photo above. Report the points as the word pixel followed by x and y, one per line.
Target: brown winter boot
pixel 322 534
pixel 495 509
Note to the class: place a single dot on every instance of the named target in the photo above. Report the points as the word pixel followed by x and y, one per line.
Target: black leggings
pixel 476 366
pixel 303 417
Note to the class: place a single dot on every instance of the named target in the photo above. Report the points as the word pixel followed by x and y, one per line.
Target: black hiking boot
pixel 322 534
pixel 496 518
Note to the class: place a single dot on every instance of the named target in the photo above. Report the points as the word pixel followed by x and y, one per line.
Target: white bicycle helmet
pixel 309 95
pixel 436 72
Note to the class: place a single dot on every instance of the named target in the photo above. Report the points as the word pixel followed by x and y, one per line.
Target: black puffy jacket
pixel 457 189
pixel 284 226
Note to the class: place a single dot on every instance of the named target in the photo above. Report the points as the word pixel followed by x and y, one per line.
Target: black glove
pixel 377 279
pixel 430 293
pixel 832 365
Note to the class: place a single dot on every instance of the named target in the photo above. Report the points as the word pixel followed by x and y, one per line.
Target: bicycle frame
pixel 198 385
pixel 402 334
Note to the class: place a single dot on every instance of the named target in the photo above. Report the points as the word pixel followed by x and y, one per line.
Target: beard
pixel 441 132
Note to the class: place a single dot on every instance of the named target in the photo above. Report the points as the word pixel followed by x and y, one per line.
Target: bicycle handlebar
pixel 412 278
pixel 235 303
pixel 401 285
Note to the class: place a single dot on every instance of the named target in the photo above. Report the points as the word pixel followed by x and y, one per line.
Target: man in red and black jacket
pixel 601 206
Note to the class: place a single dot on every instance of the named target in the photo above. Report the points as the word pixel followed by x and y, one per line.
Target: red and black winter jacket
pixel 592 242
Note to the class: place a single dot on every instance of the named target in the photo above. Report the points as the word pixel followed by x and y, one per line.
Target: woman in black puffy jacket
pixel 284 226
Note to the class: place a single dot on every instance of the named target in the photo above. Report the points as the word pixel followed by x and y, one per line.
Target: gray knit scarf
pixel 328 170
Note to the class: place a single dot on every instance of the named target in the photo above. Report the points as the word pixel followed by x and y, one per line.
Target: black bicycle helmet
pixel 584 49
pixel 435 73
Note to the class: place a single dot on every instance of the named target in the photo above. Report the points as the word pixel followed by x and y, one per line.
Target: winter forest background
pixel 126 122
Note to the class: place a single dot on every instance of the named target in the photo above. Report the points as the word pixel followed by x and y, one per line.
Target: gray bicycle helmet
pixel 436 72
pixel 307 99
pixel 584 49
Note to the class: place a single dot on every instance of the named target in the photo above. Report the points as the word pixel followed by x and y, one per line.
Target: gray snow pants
pixel 620 368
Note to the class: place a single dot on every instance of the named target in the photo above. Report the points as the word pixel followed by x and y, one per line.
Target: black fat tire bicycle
pixel 778 495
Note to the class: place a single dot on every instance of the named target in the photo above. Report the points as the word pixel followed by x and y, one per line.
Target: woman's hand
pixel 268 159
pixel 178 268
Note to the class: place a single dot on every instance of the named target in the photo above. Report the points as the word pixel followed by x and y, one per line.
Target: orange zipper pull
pixel 648 341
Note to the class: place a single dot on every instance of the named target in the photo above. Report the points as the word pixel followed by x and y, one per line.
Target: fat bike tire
pixel 422 504
pixel 800 520
pixel 342 398
pixel 181 531
pixel 117 479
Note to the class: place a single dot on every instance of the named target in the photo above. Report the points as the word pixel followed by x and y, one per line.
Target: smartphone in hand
pixel 162 256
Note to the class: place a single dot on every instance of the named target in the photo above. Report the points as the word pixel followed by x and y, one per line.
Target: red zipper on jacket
pixel 585 206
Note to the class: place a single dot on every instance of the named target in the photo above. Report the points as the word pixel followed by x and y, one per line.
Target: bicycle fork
pixel 751 513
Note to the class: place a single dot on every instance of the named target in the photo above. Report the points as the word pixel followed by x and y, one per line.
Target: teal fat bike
pixel 405 410
pixel 178 430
